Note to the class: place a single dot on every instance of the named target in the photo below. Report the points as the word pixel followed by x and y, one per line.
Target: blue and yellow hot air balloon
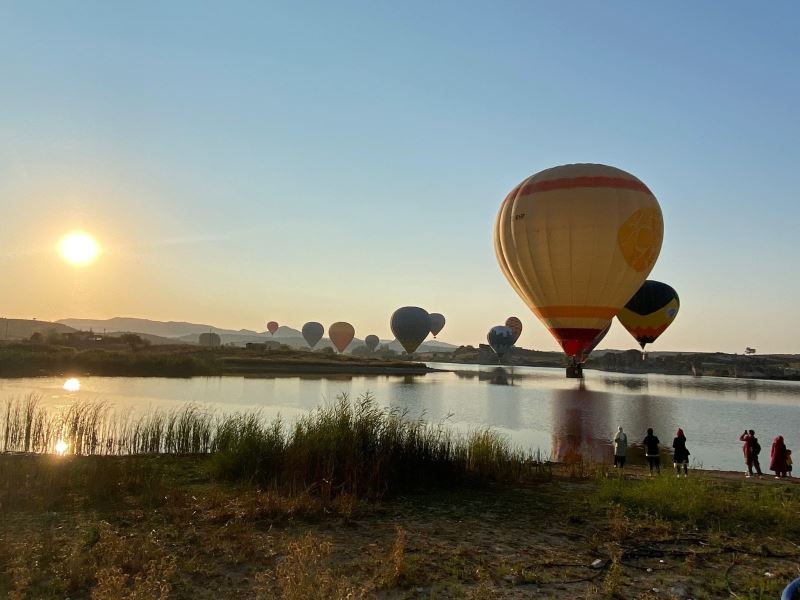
pixel 651 310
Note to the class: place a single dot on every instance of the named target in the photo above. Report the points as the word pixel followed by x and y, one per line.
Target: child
pixel 789 462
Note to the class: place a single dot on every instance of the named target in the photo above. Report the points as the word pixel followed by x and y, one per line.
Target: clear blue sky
pixel 326 161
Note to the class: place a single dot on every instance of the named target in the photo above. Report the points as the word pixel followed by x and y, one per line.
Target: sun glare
pixel 61 447
pixel 78 248
pixel 72 385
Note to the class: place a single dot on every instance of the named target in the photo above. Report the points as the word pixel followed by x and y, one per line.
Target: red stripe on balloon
pixel 574 340
pixel 599 181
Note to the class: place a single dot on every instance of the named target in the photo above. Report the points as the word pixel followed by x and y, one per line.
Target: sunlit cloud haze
pixel 241 163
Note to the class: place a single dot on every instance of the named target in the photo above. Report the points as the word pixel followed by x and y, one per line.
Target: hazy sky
pixel 333 161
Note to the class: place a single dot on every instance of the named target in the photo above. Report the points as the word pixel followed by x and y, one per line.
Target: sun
pixel 78 248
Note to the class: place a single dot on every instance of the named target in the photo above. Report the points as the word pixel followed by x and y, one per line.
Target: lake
pixel 535 407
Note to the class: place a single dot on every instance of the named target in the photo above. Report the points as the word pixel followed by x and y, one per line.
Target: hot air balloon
pixel 597 339
pixel 341 335
pixel 437 323
pixel 515 325
pixel 272 327
pixel 312 333
pixel 576 242
pixel 501 339
pixel 410 325
pixel 372 342
pixel 650 311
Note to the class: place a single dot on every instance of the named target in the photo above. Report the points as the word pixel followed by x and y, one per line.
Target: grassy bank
pixel 167 527
pixel 31 360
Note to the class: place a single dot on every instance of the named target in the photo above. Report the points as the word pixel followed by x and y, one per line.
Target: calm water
pixel 536 408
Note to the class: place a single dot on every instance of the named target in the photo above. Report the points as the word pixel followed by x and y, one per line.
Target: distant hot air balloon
pixel 312 333
pixel 410 325
pixel 515 325
pixel 576 242
pixel 372 342
pixel 501 339
pixel 272 327
pixel 341 335
pixel 437 323
pixel 650 311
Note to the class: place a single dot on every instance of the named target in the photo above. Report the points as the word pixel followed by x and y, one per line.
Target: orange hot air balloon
pixel 272 327
pixel 515 325
pixel 576 242
pixel 341 335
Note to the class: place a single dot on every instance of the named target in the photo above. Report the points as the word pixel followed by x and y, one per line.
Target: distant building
pixel 261 346
pixel 210 340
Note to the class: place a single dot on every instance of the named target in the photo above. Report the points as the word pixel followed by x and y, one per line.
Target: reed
pixel 345 447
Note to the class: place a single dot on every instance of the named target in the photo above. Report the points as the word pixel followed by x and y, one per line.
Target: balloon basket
pixel 574 372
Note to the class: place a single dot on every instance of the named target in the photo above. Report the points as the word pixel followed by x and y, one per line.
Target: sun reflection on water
pixel 72 384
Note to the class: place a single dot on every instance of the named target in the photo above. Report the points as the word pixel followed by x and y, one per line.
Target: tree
pixel 134 340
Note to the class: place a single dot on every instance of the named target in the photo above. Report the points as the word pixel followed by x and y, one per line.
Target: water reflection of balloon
pixel 650 311
pixel 312 333
pixel 272 327
pixel 501 340
pixel 372 341
pixel 341 334
pixel 515 325
pixel 437 323
pixel 581 427
pixel 410 325
pixel 576 242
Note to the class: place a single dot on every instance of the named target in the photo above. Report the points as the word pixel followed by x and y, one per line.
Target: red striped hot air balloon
pixel 576 242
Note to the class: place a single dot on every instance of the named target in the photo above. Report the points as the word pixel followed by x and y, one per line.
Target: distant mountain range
pixel 22 329
pixel 189 333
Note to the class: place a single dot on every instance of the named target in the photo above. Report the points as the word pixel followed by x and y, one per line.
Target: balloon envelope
pixel 437 323
pixel 272 327
pixel 597 339
pixel 576 242
pixel 515 325
pixel 650 311
pixel 501 339
pixel 372 342
pixel 341 335
pixel 312 333
pixel 410 325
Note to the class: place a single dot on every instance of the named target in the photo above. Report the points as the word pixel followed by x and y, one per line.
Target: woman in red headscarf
pixel 681 453
pixel 778 462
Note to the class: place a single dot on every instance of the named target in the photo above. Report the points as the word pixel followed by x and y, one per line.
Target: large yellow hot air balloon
pixel 576 242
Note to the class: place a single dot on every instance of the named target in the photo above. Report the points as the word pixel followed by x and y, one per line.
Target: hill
pixel 22 329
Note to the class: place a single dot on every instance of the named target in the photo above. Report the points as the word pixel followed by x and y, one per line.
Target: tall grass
pixel 349 446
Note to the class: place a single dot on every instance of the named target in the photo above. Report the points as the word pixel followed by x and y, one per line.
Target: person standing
pixel 651 451
pixel 751 449
pixel 789 462
pixel 777 457
pixel 680 454
pixel 620 448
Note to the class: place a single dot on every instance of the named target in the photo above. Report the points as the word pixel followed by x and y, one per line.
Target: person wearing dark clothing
pixel 777 458
pixel 751 449
pixel 651 451
pixel 681 453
